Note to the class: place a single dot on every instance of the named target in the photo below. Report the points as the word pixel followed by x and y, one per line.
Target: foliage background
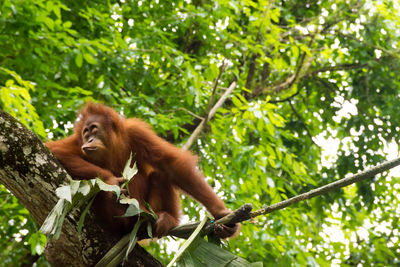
pixel 317 99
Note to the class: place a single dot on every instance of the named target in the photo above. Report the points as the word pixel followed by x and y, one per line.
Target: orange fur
pixel 162 168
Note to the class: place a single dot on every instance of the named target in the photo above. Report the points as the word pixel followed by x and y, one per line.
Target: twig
pixel 215 86
pixel 252 69
pixel 191 113
pixel 285 99
pixel 200 127
pixel 221 101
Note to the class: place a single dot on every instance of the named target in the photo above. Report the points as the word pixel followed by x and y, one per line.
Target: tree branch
pixel 200 127
pixel 370 173
pixel 346 66
pixel 393 54
pixel 239 215
pixel 252 69
pixel 244 213
pixel 275 101
pixel 288 83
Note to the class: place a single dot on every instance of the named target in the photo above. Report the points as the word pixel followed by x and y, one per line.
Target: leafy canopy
pixel 317 98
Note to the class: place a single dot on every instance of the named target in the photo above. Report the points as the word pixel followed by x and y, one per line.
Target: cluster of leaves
pixel 82 192
pixel 73 195
pixel 312 77
pixel 15 98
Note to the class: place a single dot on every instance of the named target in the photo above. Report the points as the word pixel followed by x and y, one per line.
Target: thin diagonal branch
pixel 243 213
pixel 288 83
pixel 200 127
pixel 346 66
pixel 191 113
pixel 370 173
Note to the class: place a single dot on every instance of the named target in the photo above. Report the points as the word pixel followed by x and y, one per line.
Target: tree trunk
pixel 30 172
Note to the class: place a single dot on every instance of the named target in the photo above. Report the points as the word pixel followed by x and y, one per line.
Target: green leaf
pixel 270 128
pixel 237 102
pixel 67 24
pixel 79 60
pixel 49 23
pixel 85 187
pixel 186 260
pixel 129 172
pixel 74 186
pixel 64 192
pixel 53 222
pixel 132 238
pixel 151 212
pixel 189 241
pixel 89 59
pixel 150 229
pixel 115 255
pixel 83 216
pixel 109 188
pixel 133 208
pixel 35 241
pixel 295 51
